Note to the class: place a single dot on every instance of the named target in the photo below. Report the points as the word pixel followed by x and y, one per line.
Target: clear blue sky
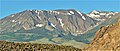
pixel 8 7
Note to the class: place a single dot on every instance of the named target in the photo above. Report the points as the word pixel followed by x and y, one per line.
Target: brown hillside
pixel 106 39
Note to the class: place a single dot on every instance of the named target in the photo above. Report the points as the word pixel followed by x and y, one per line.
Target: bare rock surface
pixel 106 39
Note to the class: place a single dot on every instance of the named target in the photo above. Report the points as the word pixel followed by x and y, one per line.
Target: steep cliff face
pixel 107 38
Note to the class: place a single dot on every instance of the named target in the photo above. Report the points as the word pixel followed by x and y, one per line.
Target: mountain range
pixel 66 27
pixel 106 39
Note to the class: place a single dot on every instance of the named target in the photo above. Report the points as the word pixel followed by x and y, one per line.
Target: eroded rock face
pixel 107 38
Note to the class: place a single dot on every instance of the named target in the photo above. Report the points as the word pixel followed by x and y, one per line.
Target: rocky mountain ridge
pixel 107 38
pixel 101 15
pixel 69 21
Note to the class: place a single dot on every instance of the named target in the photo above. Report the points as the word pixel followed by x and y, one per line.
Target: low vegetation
pixel 12 46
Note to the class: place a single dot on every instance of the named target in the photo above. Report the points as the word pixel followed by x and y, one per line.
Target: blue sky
pixel 8 7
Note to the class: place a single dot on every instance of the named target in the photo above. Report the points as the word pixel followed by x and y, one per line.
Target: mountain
pixel 89 35
pixel 101 15
pixel 66 27
pixel 107 38
pixel 68 21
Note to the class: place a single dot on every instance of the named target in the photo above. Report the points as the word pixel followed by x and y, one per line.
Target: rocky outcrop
pixel 107 38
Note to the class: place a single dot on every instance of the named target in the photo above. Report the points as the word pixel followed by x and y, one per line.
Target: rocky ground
pixel 106 39
pixel 11 46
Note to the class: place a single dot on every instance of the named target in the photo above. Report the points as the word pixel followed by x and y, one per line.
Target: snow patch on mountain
pixel 81 15
pixel 93 15
pixel 12 15
pixel 71 12
pixel 36 11
pixel 83 18
pixel 68 13
pixel 53 25
pixel 60 20
pixel 14 21
pixel 116 12
pixel 55 12
pixel 102 13
pixel 39 25
pixel 94 11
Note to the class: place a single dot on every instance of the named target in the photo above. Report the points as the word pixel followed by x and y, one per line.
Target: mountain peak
pixel 95 11
pixel 100 11
pixel 101 15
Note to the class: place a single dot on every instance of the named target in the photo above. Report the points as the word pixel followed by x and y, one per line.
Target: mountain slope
pixel 101 15
pixel 107 38
pixel 71 21
pixel 89 35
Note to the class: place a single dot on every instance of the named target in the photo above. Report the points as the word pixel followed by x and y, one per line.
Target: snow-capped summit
pixel 101 15
pixel 95 11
